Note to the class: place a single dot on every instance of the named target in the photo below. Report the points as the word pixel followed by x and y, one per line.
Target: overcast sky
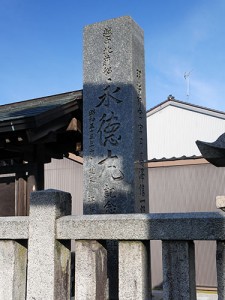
pixel 41 47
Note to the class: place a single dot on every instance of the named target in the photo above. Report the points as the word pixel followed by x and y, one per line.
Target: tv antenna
pixel 187 78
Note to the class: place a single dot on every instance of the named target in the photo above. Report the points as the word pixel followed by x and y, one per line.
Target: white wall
pixel 172 132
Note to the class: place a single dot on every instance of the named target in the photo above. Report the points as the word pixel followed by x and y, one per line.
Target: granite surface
pixel 115 150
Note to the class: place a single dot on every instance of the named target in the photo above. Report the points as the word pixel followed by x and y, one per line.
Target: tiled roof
pixel 34 107
pixel 174 158
pixel 27 126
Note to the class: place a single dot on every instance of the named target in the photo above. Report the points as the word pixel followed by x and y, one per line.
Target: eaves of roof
pixel 37 112
pixel 174 158
pixel 42 128
pixel 176 161
pixel 187 106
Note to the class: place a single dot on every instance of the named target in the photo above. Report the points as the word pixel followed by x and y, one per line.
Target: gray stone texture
pixel 178 270
pixel 13 262
pixel 177 226
pixel 90 271
pixel 134 263
pixel 14 228
pixel 220 264
pixel 114 129
pixel 220 202
pixel 115 149
pixel 48 259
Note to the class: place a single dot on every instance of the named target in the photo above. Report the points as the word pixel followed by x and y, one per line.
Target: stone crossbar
pixel 35 252
pixel 14 228
pixel 168 226
pixel 176 226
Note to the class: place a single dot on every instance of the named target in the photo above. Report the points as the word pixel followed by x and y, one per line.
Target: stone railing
pixel 35 256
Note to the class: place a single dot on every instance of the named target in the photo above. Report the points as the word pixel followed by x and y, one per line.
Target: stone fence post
pixel 134 281
pixel 13 261
pixel 220 256
pixel 178 270
pixel 48 259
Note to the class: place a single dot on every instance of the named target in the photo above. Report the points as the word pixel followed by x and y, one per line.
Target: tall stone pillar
pixel 115 146
pixel 114 129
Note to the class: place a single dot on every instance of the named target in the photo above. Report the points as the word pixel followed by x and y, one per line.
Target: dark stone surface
pixel 214 152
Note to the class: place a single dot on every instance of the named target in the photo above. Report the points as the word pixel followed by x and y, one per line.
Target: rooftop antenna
pixel 187 78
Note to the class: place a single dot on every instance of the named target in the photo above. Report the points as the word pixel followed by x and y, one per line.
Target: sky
pixel 41 47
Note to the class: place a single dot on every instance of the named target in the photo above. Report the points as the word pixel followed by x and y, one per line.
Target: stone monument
pixel 114 128
pixel 115 144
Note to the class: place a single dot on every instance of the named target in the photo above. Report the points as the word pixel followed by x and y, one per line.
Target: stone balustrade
pixel 35 256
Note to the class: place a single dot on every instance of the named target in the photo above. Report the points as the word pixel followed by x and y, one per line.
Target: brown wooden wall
pixel 7 196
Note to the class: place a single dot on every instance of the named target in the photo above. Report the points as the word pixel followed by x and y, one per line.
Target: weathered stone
pixel 177 226
pixel 220 264
pixel 90 271
pixel 220 202
pixel 14 228
pixel 178 270
pixel 115 149
pixel 48 259
pixel 134 264
pixel 13 263
pixel 213 152
pixel 114 129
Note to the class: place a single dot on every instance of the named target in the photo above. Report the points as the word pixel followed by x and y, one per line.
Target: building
pixel 180 180
pixel 32 134
pixel 174 126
